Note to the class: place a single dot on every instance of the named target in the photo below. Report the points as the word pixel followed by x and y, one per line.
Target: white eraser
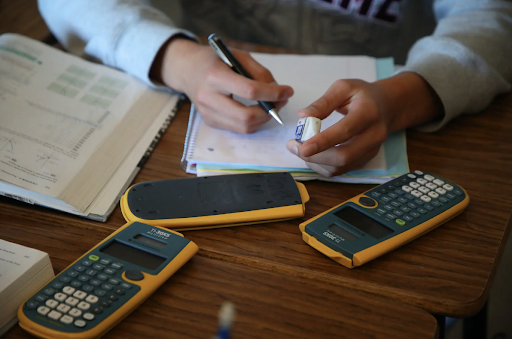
pixel 307 128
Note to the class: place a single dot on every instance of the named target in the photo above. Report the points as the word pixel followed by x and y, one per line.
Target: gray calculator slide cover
pixel 204 196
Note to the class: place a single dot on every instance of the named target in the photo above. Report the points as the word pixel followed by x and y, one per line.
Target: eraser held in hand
pixel 307 128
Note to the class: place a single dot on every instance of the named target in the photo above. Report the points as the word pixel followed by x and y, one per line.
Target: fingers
pixel 337 96
pixel 331 171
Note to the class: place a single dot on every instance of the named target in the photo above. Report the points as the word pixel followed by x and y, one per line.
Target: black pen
pixel 226 56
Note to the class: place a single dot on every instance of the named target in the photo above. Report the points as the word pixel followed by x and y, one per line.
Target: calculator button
pixel 448 187
pixel 116 265
pixel 417 194
pixel 106 303
pixel 451 196
pixel 396 204
pixel 73 274
pixel 429 177
pixel 60 296
pixel 102 276
pixel 97 310
pixel 365 201
pixel 391 216
pixel 418 172
pixel 422 210
pixel 399 191
pixel 86 262
pixel 98 267
pixel 381 211
pixel 105 261
pixel 393 195
pixel 66 319
pixel 375 194
pixel 402 200
pixel 80 268
pixel 68 290
pixel 412 176
pixel 426 198
pixel 65 278
pixel 390 187
pixel 458 192
pixel 120 291
pixel 443 200
pixel 41 298
pixel 54 315
pixel 128 286
pixel 80 323
pixel 137 275
pixel 407 188
pixel 83 278
pixel 88 316
pixel 43 310
pixel 100 293
pixel 75 312
pixel 436 203
pixel 385 199
pixel 71 301
pixel 411 205
pixel 32 304
pixel 415 214
pixel 52 303
pixel 107 287
pixel 93 257
pixel 400 222
pixel 57 285
pixel 389 207
pixel 423 189
pixel 433 195
pixel 405 209
pixel 83 306
pixel 414 184
pixel 428 207
pixel 87 288
pixel 440 190
pixel 397 212
pixel 421 181
pixel 63 308
pixel 383 191
pixel 112 297
pixel 439 182
pixel 408 218
pixel 114 281
pixel 418 202
pixel 92 299
pixel 76 283
pixel 431 186
pixel 92 273
pixel 113 271
pixel 79 295
pixel 409 196
pixel 95 282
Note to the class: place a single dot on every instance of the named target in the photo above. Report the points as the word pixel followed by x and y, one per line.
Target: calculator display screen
pixel 133 255
pixel 363 222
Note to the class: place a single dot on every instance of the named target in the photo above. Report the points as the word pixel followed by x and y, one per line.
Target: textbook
pixel 23 270
pixel 73 133
pixel 210 151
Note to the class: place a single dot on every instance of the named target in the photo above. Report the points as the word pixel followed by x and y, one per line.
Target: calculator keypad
pixel 83 292
pixel 412 196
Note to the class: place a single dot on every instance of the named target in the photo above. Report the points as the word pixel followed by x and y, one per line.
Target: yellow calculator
pixel 384 218
pixel 102 287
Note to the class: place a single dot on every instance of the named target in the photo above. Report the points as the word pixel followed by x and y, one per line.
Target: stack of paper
pixel 23 271
pixel 210 151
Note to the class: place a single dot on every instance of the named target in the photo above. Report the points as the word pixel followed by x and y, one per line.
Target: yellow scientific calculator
pixel 102 287
pixel 384 218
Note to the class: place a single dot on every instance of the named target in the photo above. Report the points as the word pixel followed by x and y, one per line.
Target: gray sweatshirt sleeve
pixel 468 59
pixel 125 34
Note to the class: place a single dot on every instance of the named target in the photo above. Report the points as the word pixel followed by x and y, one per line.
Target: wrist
pixel 411 101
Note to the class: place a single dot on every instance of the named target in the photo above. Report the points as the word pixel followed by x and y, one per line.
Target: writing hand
pixel 210 84
pixel 371 111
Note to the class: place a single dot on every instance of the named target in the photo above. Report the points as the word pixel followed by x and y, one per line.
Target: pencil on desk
pixel 226 318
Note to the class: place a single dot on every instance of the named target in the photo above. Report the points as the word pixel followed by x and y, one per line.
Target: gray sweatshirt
pixel 462 48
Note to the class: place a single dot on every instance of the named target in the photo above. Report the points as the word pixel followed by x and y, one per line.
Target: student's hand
pixel 210 84
pixel 371 111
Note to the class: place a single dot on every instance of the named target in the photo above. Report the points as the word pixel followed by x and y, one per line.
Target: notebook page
pixel 310 76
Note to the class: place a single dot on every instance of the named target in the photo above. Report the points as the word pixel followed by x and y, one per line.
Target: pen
pixel 226 56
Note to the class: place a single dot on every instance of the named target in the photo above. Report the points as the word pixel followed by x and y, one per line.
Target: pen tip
pixel 273 113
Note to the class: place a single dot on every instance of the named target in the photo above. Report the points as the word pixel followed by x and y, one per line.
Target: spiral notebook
pixel 210 151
